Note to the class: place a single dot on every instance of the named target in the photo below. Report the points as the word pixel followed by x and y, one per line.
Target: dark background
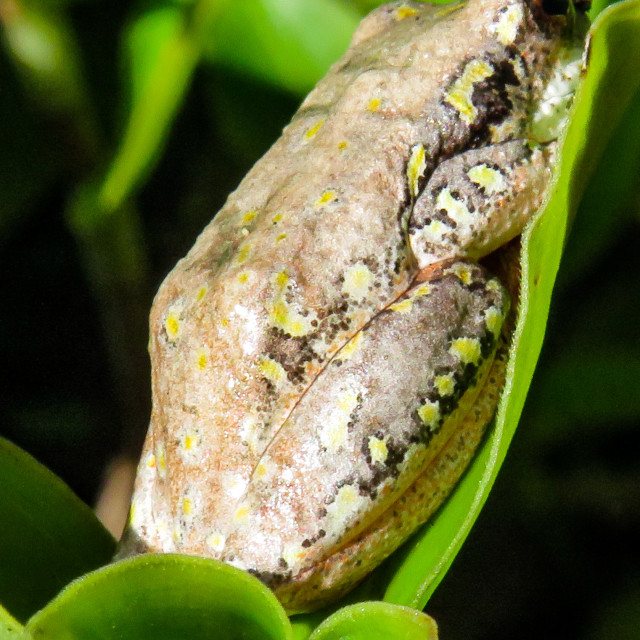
pixel 555 552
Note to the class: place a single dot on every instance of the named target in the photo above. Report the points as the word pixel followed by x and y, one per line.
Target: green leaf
pixel 48 536
pixel 289 43
pixel 611 80
pixel 161 54
pixel 163 596
pixel 10 628
pixel 377 621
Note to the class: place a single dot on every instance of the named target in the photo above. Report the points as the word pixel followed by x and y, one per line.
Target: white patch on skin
pixel 293 554
pixel 491 180
pixel 357 281
pixel 335 431
pixel 234 485
pixel 552 113
pixel 456 209
pixel 507 26
pixel 351 347
pixel 161 460
pixel 215 541
pixel 347 502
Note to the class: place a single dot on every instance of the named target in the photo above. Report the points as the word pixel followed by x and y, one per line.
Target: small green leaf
pixel 289 43
pixel 48 536
pixel 377 621
pixel 163 596
pixel 10 628
pixel 611 81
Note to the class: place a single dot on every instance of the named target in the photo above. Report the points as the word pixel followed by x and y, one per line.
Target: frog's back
pixel 314 244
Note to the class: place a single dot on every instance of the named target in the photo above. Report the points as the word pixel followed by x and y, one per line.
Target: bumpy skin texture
pixel 320 355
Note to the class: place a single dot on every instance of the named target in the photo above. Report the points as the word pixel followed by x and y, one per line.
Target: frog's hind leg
pixel 477 201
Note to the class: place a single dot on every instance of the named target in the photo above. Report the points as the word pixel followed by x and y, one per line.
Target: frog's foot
pixel 478 200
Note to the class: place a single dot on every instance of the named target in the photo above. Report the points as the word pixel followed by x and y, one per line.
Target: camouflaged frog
pixel 324 358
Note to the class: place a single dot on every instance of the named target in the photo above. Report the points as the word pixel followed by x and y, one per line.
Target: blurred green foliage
pixel 124 126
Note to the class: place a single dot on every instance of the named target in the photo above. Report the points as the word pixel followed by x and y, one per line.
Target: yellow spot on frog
pixel 272 370
pixel 311 131
pixel 466 349
pixel 261 470
pixel 350 348
pixel 215 541
pixel 444 385
pixel 429 413
pixel 404 12
pixel 460 95
pixel 415 168
pixel 404 306
pixel 187 506
pixel 172 327
pixel 202 292
pixel 243 276
pixel 463 272
pixel 493 319
pixel 281 237
pixel 224 322
pixel 506 29
pixel 342 145
pixel 248 217
pixel 421 291
pixel 374 105
pixel 241 515
pixel 282 314
pixel 243 253
pixel 327 196
pixel 202 360
pixel 276 218
pixel 491 180
pixel 282 279
pixel 357 280
pixel 151 461
pixel 378 450
pixel 132 512
pixel 189 441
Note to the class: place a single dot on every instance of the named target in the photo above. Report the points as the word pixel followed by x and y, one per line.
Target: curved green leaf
pixel 48 536
pixel 377 621
pixel 10 628
pixel 289 43
pixel 163 597
pixel 611 80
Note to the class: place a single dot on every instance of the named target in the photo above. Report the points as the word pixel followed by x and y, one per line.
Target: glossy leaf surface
pixel 48 536
pixel 163 597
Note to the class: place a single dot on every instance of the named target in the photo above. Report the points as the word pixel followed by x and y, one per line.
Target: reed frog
pixel 324 358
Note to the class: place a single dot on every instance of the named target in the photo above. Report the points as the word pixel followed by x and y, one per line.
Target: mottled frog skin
pixel 324 358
